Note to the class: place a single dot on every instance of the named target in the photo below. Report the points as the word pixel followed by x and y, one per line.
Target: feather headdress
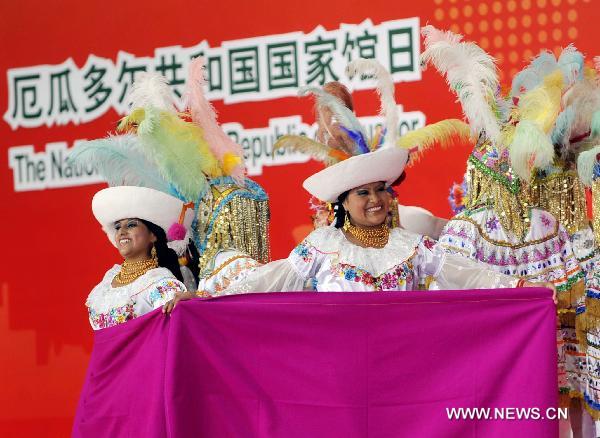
pixel 340 134
pixel 346 134
pixel 570 63
pixel 229 154
pixel 176 146
pixel 345 117
pixel 471 74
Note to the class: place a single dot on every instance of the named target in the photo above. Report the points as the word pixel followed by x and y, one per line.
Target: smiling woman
pixel 363 250
pixel 136 220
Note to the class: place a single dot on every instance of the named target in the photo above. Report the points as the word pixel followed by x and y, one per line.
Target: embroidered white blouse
pixel 109 306
pixel 326 261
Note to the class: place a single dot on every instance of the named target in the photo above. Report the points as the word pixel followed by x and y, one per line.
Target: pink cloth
pixel 326 365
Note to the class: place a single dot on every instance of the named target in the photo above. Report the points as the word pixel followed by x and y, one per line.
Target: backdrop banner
pixel 329 365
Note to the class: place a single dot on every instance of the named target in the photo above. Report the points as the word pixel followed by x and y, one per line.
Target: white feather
pixel 471 73
pixel 385 89
pixel 151 90
pixel 585 165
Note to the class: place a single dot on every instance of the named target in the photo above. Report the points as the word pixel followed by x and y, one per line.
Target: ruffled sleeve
pixel 227 268
pixel 286 275
pixel 305 259
pixel 156 294
pixel 451 271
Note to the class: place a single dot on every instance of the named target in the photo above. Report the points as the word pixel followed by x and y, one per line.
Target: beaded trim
pixel 507 244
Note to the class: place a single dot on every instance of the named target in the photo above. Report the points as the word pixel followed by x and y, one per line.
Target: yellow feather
pixel 541 105
pixel 318 151
pixel 444 133
pixel 230 161
pixel 133 119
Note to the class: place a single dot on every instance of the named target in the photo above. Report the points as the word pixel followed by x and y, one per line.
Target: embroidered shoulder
pixel 104 297
pixel 401 246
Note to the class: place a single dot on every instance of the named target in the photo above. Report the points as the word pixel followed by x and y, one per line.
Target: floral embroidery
pixel 545 220
pixel 428 242
pixel 394 279
pixel 163 292
pixel 117 315
pixel 303 250
pixel 230 271
pixel 491 224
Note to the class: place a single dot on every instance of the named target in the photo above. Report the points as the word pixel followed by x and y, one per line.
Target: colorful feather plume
pixel 204 115
pixel 318 151
pixel 531 76
pixel 181 154
pixel 445 133
pixel 385 89
pixel 344 115
pixel 542 104
pixel 358 138
pixel 120 161
pixel 570 63
pixel 470 72
pixel 530 149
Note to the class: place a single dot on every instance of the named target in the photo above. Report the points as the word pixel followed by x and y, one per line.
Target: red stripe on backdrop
pixel 54 252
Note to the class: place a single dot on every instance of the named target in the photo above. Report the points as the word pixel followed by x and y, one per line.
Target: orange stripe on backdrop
pixel 55 253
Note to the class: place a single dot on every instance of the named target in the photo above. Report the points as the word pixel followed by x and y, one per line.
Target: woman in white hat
pixel 360 251
pixel 136 221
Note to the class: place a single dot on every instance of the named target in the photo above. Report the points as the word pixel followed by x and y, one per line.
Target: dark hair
pixel 194 260
pixel 340 211
pixel 167 258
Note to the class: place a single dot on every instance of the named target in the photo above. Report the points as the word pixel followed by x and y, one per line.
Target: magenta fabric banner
pixel 328 365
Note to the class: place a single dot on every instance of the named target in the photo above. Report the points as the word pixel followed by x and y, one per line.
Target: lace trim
pixel 401 247
pixel 104 297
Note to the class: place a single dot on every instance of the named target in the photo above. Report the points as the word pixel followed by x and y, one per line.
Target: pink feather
pixel 597 63
pixel 204 115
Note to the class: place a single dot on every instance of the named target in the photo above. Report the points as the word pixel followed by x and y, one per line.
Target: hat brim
pixel 382 165
pixel 122 202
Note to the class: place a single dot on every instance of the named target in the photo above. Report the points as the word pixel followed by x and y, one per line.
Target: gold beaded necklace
pixel 131 271
pixel 375 237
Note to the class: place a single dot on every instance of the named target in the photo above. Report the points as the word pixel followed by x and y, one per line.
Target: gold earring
pixel 347 223
pixel 153 253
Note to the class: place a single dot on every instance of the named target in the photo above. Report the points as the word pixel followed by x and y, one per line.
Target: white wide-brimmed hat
pixel 382 165
pixel 122 202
